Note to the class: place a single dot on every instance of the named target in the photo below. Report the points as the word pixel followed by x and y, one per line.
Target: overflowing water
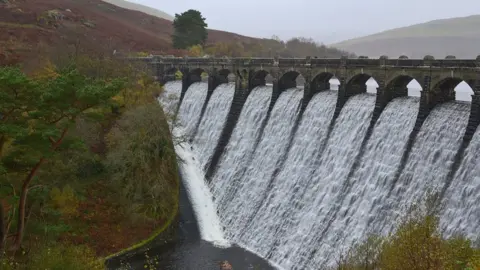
pixel 430 160
pixel 311 215
pixel 191 107
pixel 371 182
pixel 298 191
pixel 462 208
pixel 253 184
pixel 289 185
pixel 170 96
pixel 240 147
pixel 212 123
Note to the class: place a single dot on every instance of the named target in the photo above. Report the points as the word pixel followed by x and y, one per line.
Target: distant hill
pixel 141 8
pixel 456 36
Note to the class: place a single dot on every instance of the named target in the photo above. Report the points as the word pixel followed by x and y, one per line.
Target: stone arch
pixel 443 90
pixel 398 86
pixel 288 80
pixel 321 82
pixel 357 84
pixel 195 75
pixel 224 76
pixel 258 78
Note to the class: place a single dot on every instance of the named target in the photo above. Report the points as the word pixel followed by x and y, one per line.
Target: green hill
pixel 455 36
pixel 141 8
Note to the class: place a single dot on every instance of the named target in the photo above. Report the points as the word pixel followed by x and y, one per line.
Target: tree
pixel 189 29
pixel 35 117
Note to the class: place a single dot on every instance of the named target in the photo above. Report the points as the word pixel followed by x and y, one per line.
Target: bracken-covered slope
pixel 27 24
pixel 456 36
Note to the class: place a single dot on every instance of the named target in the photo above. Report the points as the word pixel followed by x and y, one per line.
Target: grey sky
pixel 325 21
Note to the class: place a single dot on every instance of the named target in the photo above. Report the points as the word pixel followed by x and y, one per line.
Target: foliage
pixel 195 50
pixel 416 244
pixel 36 114
pixel 61 256
pixel 142 162
pixel 189 29
pixel 64 200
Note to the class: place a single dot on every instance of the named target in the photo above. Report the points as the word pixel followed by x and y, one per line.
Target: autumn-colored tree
pixel 190 29
pixel 35 117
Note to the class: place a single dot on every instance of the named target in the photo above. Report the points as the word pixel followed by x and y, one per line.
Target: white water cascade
pixel 170 96
pixel 370 184
pixel 430 160
pixel 191 107
pixel 462 207
pixel 240 147
pixel 302 248
pixel 212 123
pixel 253 184
pixel 289 184
pixel 192 175
pixel 300 205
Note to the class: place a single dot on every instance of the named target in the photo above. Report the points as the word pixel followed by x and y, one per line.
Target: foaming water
pixel 253 184
pixel 289 185
pixel 462 208
pixel 370 184
pixel 312 215
pixel 430 160
pixel 171 96
pixel 191 107
pixel 199 195
pixel 240 147
pixel 212 123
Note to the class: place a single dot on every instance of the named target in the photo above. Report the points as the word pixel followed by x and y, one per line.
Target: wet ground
pixel 189 252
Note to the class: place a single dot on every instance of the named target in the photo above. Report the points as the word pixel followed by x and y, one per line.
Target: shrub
pixel 142 163
pixel 61 257
pixel 417 244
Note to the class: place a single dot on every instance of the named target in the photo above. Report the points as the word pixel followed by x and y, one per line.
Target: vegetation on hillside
pixel 295 47
pixel 417 244
pixel 190 29
pixel 86 158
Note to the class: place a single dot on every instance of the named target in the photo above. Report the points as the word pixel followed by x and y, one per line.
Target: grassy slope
pixel 115 28
pixel 141 8
pixel 457 36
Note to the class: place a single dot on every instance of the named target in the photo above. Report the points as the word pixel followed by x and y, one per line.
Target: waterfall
pixel 429 162
pixel 212 123
pixel 371 182
pixel 191 107
pixel 170 96
pixel 261 234
pixel 303 248
pixel 462 208
pixel 298 191
pixel 190 169
pixel 240 147
pixel 253 184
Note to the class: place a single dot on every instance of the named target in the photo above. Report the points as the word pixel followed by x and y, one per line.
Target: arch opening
pixel 259 78
pixel 198 75
pixel 323 81
pixel 172 74
pixel 463 92
pixel 288 80
pixel 358 84
pixel 399 87
pixel 444 90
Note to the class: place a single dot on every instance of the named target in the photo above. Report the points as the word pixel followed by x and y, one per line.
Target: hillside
pixel 141 8
pixel 456 36
pixel 27 25
pixel 30 28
